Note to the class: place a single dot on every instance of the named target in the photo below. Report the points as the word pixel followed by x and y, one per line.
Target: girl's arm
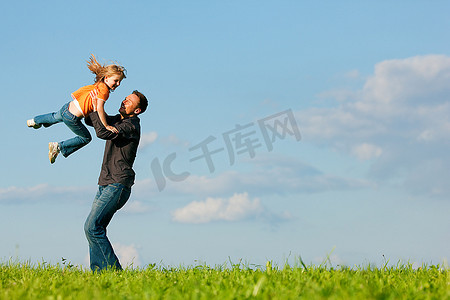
pixel 102 114
pixel 99 106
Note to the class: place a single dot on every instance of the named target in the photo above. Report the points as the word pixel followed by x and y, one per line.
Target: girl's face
pixel 113 81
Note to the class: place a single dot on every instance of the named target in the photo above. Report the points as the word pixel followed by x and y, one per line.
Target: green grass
pixel 43 281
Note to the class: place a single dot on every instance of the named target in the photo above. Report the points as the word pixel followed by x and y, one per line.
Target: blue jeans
pixel 109 199
pixel 74 123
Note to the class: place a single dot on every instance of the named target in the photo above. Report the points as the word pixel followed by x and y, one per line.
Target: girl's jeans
pixel 74 123
pixel 109 199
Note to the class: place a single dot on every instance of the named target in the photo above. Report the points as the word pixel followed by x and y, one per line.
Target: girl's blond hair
pixel 101 71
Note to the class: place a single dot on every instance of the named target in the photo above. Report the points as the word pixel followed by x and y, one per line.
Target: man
pixel 116 176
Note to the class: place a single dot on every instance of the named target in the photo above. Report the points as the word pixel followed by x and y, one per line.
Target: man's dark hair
pixel 143 102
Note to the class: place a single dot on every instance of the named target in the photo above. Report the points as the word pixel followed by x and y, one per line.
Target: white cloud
pixel 352 74
pixel 128 255
pixel 418 80
pixel 268 174
pixel 237 207
pixel 333 259
pixel 399 118
pixel 173 140
pixel 413 93
pixel 136 207
pixel 272 179
pixel 367 151
pixel 147 139
pixel 339 95
pixel 15 194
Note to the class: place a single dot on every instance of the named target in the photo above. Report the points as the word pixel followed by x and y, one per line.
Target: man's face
pixel 130 106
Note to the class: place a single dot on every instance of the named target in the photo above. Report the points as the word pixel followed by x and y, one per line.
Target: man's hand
pixel 94 94
pixel 112 129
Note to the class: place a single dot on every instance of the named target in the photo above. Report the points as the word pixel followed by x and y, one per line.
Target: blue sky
pixel 366 84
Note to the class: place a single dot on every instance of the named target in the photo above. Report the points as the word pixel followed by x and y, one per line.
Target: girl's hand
pixel 112 129
pixel 94 94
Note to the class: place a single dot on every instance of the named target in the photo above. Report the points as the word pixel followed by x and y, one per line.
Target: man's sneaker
pixel 53 151
pixel 31 123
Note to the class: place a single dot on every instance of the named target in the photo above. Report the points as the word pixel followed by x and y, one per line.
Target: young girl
pixel 107 79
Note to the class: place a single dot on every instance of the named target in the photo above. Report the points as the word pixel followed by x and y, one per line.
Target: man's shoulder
pixel 134 121
pixel 131 125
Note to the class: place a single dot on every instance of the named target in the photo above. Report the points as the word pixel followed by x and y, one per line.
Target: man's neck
pixel 126 116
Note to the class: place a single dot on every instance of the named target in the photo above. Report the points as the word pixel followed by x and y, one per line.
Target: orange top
pixel 84 98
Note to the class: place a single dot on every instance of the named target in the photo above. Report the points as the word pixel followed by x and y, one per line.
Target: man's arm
pixel 94 119
pixel 126 130
pixel 100 130
pixel 100 108
pixel 88 120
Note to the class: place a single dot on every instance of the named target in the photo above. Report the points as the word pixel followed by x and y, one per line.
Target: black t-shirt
pixel 120 148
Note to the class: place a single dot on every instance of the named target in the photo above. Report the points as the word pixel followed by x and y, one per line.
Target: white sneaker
pixel 31 123
pixel 53 151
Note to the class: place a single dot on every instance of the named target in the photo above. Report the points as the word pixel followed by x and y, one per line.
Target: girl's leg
pixel 74 123
pixel 50 118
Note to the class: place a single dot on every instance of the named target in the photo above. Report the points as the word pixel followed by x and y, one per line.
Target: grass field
pixel 64 281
